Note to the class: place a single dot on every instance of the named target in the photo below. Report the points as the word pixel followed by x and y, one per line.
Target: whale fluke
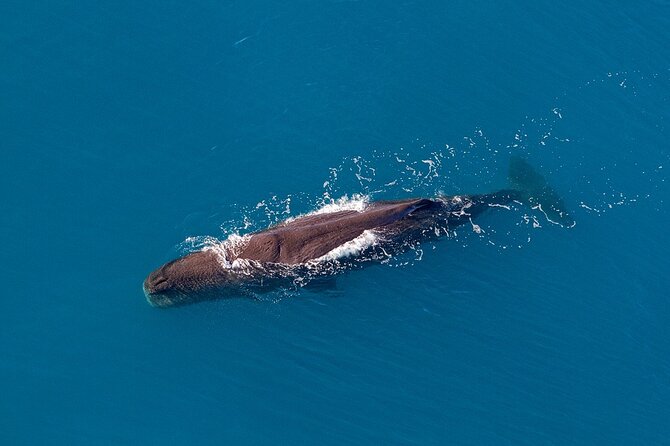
pixel 533 187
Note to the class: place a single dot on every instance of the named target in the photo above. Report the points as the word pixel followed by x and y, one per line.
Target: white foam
pixel 229 249
pixel 357 202
pixel 351 248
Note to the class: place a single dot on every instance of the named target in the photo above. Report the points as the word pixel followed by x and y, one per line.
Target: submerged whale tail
pixel 533 188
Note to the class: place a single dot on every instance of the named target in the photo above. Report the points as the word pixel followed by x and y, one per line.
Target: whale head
pixel 194 277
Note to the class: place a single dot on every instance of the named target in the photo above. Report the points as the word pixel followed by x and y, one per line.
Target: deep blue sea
pixel 130 131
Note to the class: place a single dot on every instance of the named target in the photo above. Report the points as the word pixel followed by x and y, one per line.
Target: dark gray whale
pixel 285 250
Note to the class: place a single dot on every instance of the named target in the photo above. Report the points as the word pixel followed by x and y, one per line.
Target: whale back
pixel 310 237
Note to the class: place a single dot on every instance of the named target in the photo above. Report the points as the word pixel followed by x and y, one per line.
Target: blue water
pixel 130 130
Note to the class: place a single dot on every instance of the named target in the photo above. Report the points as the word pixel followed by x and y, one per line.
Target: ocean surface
pixel 132 131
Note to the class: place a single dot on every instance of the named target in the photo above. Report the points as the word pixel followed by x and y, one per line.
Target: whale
pixel 270 258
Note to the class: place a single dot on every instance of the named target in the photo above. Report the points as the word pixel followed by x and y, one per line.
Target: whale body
pixel 267 258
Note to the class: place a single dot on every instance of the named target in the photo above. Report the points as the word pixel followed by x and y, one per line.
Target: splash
pixel 352 248
pixel 357 202
pixel 226 250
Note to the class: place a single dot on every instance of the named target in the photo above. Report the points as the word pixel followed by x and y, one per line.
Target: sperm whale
pixel 266 257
